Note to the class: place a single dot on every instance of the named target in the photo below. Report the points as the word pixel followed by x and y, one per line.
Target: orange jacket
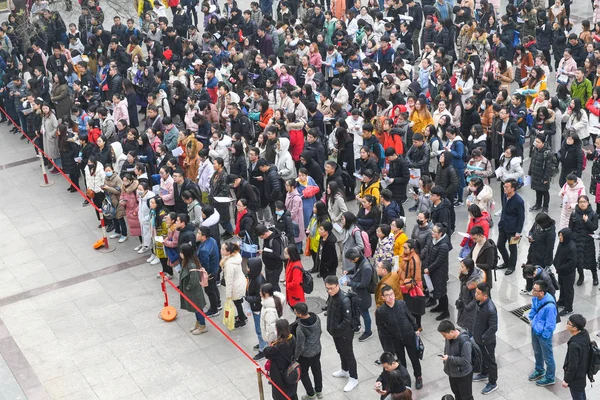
pixel 265 118
pixel 395 141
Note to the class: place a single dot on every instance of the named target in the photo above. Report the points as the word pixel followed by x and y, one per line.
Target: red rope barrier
pixel 217 327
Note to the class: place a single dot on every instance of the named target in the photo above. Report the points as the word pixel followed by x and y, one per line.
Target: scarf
pixel 238 220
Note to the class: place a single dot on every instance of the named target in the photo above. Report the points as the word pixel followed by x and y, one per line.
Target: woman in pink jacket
pixel 120 108
pixel 314 57
pixel 166 191
pixel 293 203
pixel 130 202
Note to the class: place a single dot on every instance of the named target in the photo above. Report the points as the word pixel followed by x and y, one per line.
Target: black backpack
pixel 355 307
pixel 373 281
pixel 349 184
pixel 476 355
pixel 307 280
pixel 496 256
pixel 593 361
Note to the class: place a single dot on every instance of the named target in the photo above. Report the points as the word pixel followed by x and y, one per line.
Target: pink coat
pixel 293 203
pixel 131 212
pixel 120 111
pixel 166 191
pixel 316 60
pixel 569 197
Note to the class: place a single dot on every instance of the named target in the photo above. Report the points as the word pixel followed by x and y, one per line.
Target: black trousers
pixel 567 290
pixel 214 297
pixel 489 366
pixel 98 198
pixel 165 266
pixel 313 363
pixel 343 345
pixel 240 310
pixel 503 238
pixel 462 387
pixel 397 346
pixel 121 227
pixel 542 198
pixel 272 276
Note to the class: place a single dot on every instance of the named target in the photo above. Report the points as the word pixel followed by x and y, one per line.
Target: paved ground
pixel 78 324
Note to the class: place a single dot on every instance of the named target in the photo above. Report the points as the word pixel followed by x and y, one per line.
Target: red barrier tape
pixel 217 327
pixel 90 201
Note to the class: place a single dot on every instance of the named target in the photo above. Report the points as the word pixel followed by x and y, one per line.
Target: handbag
pixel 415 297
pixel 172 254
pixel 203 276
pixel 307 248
pixel 229 315
pixel 90 193
pixel 247 248
pixel 420 347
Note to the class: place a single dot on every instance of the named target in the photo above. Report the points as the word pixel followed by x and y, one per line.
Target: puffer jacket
pixel 437 264
pixel 586 247
pixel 458 350
pixel 268 317
pixel 339 315
pixel 540 168
pixel 395 322
pixel 540 250
pixel 283 160
pixel 565 260
pixel 446 176
pixel 486 323
pixel 543 316
pixel 360 278
pixel 466 305
pixel 234 276
pixel 576 360
pixel 308 336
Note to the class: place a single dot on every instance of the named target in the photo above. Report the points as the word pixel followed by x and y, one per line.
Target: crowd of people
pixel 232 146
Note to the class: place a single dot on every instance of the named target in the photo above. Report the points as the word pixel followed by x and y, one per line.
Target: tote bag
pixel 247 248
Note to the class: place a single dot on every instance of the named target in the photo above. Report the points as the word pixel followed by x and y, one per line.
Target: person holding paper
pixel 510 226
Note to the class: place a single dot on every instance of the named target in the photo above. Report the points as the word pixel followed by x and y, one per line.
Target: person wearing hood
pixel 283 160
pixel 447 179
pixel 466 304
pixel 118 157
pixel 255 281
pixel 436 266
pixel 570 192
pixel 565 262
pixel 541 236
pixel 577 357
pixel 584 222
pixel 308 349
pixel 397 177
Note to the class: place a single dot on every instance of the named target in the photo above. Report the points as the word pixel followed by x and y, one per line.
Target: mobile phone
pixel 440 355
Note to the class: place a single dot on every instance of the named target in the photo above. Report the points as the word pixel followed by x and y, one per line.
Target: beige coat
pixel 49 128
pixel 61 99
pixel 235 279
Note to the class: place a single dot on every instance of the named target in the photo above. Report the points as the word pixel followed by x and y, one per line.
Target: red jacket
pixel 293 283
pixel 484 222
pixel 591 108
pixel 296 143
pixel 392 140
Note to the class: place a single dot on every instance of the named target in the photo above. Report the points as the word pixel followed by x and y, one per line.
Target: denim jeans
pixel 367 319
pixel 200 318
pixel 542 350
pixel 577 394
pixel 261 342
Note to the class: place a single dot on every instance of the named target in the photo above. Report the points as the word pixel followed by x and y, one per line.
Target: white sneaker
pixel 115 235
pixel 155 261
pixel 152 257
pixel 143 249
pixel 137 247
pixel 341 374
pixel 352 383
pixel 123 238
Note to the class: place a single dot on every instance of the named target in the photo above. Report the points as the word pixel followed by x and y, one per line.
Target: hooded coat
pixel 293 203
pixel 327 258
pixel 283 160
pixel 569 197
pixel 131 205
pixel 119 158
pixel 565 260
pixel 255 281
pixel 308 336
pixel 541 249
pixel 586 248
pixel 268 317
pixel 466 305
pixel 189 284
pixel 446 176
pixel 540 168
pixel 437 264
pixel 234 276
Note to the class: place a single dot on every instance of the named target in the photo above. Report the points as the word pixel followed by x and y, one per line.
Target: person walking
pixel 189 285
pixel 485 327
pixel 543 323
pixel 577 358
pixel 457 360
pixel 339 326
pixel 308 350
pixel 397 331
pixel 510 226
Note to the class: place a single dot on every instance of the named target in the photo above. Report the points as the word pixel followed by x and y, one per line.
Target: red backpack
pixel 367 252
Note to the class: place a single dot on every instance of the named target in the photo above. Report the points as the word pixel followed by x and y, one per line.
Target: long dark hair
pixel 322 213
pixel 267 288
pixel 282 326
pixel 350 219
pixel 293 253
pixel 335 190
pixel 470 264
pixel 160 206
pixel 189 255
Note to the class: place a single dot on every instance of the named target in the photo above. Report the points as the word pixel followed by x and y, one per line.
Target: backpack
pixel 521 136
pixel 284 242
pixel 373 282
pixel 355 310
pixel 296 229
pixel 292 373
pixel 593 361
pixel 367 252
pixel 495 265
pixel 307 280
pixel 476 356
pixel 516 38
pixel 379 153
pixel 257 195
pixel 349 184
pixel 552 278
pixel 554 161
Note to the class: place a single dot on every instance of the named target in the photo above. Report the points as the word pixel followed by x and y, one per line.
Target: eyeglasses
pixel 330 288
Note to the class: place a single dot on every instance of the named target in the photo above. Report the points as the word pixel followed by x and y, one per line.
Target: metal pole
pixel 261 389
pixel 46 181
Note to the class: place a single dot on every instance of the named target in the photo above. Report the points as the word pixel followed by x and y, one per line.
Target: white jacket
pixel 234 276
pixel 144 210
pixel 221 149
pixel 268 317
pixel 97 180
pixel 283 160
pixel 509 169
pixel 205 172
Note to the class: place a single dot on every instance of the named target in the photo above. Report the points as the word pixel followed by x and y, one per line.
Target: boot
pixel 580 273
pixel 445 314
pixel 595 277
pixel 193 328
pixel 200 330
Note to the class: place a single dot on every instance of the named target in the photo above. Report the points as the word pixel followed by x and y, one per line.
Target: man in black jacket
pixel 397 331
pixel 271 253
pixel 485 327
pixel 333 173
pixel 484 253
pixel 180 185
pixel 339 326
pixel 186 230
pixel 510 225
pixel 577 358
pixel 272 183
pixel 398 176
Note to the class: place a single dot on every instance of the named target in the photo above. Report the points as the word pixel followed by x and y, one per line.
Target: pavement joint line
pixel 18 163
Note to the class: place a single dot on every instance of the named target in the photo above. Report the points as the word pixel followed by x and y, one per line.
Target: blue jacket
pixel 208 254
pixel 543 320
pixel 82 120
pixel 513 215
pixel 457 148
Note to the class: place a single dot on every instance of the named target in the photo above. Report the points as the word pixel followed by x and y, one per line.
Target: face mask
pixel 109 174
pixel 91 166
pixel 140 193
pixel 280 212
pixel 99 50
pixel 472 188
pixel 420 222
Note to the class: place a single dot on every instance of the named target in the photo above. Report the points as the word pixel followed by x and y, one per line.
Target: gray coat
pixel 350 241
pixel 308 336
pixel 61 99
pixel 359 281
pixel 189 284
pixel 50 126
pixel 422 235
pixel 459 356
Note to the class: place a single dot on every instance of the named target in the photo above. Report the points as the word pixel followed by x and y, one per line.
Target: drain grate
pixel 520 313
pixel 315 303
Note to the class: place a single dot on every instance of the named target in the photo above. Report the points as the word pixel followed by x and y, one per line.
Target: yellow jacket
pixel 372 189
pixel 399 241
pixel 420 123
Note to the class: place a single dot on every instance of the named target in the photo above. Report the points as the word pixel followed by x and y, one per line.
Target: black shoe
pixel 240 323
pixel 257 347
pixel 22 137
pixel 314 271
pixel 259 356
pixel 110 228
pixel 595 282
pixel 413 208
pixel 443 316
pixel 580 280
pixel 378 363
pixel 226 236
pixel 565 312
pixel 535 208
pixel 430 302
pixel 545 210
pixel 560 303
pixel 436 309
pixel 509 271
pixel 502 266
pixel 324 308
pixel 419 383
pixel 72 189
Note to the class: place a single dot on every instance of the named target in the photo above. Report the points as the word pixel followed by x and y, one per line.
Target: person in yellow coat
pixel 370 185
pixel 387 277
pixel 420 117
pixel 535 83
pixel 399 236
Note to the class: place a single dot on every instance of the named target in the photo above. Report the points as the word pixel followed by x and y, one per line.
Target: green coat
pixel 329 28
pixel 581 90
pixel 189 284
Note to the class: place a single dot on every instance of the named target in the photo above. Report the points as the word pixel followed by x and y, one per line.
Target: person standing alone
pixel 484 333
pixel 577 358
pixel 543 322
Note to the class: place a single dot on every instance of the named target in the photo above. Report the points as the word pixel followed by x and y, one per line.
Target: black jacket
pixel 485 325
pixel 272 189
pixel 187 235
pixel 238 166
pixel 245 191
pixel 401 175
pixel 542 247
pixel 441 212
pixel 513 215
pixel 335 177
pixel 247 224
pixel 571 158
pixel 313 168
pixel 565 259
pixel 360 278
pixel 180 206
pixel 540 168
pixel 390 213
pixel 272 259
pixel 284 224
pixel 446 176
pixel 255 281
pixel 396 322
pixel 586 247
pixel 339 315
pixel 576 360
pixel 327 259
pixel 485 259
pixel 67 156
pixel 318 152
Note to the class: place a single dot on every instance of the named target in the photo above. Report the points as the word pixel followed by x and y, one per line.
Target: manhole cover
pixel 315 303
pixel 520 313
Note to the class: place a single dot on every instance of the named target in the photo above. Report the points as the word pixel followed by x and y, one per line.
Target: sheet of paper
pixel 428 282
pixel 463 234
pixel 159 239
pixel 338 228
pixel 177 151
pixel 527 180
pixel 223 199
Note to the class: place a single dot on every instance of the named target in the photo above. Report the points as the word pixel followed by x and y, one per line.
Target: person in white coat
pixel 49 130
pixel 510 168
pixel 219 147
pixel 283 160
pixel 272 309
pixel 118 157
pixel 569 194
pixel 205 172
pixel 144 194
pixel 94 180
pixel 231 264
